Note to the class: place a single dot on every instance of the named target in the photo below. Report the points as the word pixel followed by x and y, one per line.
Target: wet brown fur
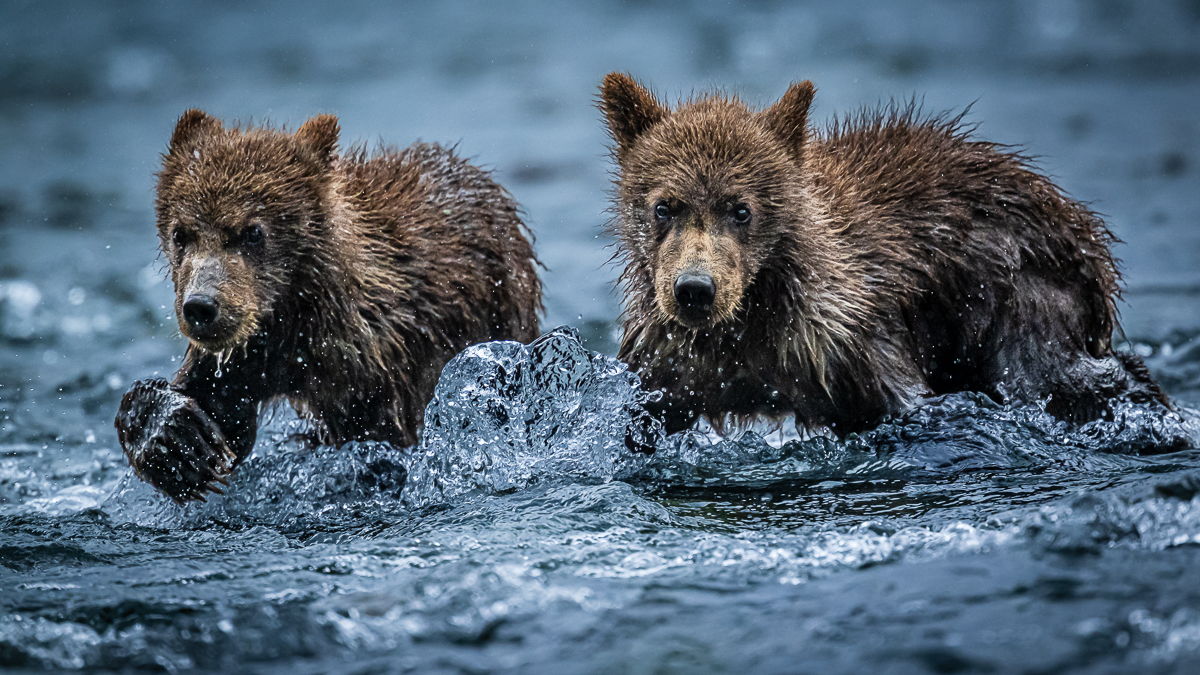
pixel 889 257
pixel 373 271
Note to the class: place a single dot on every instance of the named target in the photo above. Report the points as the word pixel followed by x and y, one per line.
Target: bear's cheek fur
pixel 228 278
pixel 690 250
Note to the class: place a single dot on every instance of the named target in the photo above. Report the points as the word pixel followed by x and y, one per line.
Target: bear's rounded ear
pixel 321 134
pixel 788 117
pixel 191 126
pixel 629 108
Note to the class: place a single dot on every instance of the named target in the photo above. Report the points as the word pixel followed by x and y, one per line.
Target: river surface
pixel 964 537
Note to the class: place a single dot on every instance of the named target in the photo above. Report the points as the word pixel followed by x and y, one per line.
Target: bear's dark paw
pixel 172 443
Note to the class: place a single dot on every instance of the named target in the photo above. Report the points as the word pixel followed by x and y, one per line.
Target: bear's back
pixel 454 229
pixel 941 212
pixel 978 252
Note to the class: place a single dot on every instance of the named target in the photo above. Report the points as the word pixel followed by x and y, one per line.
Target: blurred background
pixel 1105 93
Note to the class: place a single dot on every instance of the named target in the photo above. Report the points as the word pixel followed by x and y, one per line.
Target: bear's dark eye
pixel 253 235
pixel 662 212
pixel 179 239
pixel 741 214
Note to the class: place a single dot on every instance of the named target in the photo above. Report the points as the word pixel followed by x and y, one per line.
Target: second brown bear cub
pixel 339 283
pixel 842 276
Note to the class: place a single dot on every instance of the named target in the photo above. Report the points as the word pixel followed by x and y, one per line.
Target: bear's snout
pixel 695 293
pixel 215 302
pixel 201 312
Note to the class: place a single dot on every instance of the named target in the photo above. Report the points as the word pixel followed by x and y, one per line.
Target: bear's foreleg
pixel 185 437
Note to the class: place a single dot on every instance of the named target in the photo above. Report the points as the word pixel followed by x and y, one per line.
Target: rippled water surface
pixel 965 537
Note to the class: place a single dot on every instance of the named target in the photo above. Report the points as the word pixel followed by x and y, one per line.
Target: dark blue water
pixel 963 538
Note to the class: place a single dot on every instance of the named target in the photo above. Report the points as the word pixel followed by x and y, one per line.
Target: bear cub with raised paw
pixel 843 275
pixel 340 283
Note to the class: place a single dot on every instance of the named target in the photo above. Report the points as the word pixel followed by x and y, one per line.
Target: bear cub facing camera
pixel 844 275
pixel 340 283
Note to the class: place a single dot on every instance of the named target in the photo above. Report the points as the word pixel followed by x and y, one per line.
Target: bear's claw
pixel 172 443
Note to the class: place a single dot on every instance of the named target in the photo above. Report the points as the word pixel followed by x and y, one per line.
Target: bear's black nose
pixel 695 292
pixel 200 311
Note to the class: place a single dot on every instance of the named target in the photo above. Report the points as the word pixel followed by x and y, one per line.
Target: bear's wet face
pixel 235 209
pixel 703 257
pixel 222 277
pixel 705 192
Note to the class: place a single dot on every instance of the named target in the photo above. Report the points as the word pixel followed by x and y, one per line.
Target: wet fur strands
pixel 341 283
pixel 845 274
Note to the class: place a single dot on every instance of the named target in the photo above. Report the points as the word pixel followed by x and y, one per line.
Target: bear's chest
pixel 746 393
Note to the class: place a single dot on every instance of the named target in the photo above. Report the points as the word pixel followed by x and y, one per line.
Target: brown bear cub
pixel 341 283
pixel 844 275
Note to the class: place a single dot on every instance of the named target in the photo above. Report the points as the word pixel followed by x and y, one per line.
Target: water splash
pixel 285 484
pixel 505 415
